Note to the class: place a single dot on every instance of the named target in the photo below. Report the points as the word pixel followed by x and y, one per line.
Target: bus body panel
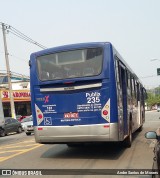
pixel 78 133
pixel 61 108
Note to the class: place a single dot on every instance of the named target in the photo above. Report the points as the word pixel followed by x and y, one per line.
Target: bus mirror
pixel 29 63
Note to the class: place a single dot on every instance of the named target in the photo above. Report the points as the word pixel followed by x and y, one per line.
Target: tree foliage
pixel 153 97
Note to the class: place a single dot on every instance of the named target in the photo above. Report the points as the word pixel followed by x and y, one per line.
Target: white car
pixel 27 125
pixel 158 108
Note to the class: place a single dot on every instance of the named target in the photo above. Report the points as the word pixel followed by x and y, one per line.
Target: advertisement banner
pixel 18 95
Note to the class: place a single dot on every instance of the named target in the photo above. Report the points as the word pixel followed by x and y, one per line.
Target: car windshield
pixel 70 64
pixel 27 119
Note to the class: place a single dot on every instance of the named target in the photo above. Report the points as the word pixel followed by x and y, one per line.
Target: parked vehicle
pixel 27 125
pixel 158 108
pixel 156 159
pixel 20 118
pixel 10 125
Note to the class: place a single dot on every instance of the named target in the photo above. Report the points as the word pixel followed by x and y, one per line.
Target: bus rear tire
pixel 140 128
pixel 128 141
pixel 28 133
pixel 2 133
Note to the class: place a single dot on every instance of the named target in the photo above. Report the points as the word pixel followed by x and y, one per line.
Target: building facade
pixel 21 95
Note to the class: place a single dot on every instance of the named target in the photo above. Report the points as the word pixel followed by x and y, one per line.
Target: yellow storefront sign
pixel 18 95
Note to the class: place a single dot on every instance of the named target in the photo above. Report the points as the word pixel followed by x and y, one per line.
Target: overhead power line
pixel 21 35
pixel 16 57
pixel 15 74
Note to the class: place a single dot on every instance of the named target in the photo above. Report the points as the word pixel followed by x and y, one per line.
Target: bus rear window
pixel 70 64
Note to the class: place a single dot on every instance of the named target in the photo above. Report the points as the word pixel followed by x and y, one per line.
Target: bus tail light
pixel 39 115
pixel 105 112
pixel 106 126
pixel 40 128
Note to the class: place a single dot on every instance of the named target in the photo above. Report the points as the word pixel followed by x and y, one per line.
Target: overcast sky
pixel 133 27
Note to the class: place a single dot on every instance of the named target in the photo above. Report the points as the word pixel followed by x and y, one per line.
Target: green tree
pixel 151 100
pixel 153 97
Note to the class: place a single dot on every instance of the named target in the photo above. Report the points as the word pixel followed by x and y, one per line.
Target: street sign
pixel 158 71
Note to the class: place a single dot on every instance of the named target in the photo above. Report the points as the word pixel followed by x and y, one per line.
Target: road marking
pixel 28 141
pixel 17 146
pixel 17 152
pixel 1 158
pixel 10 151
pixel 18 143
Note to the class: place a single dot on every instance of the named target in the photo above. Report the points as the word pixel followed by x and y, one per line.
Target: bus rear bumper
pixel 77 133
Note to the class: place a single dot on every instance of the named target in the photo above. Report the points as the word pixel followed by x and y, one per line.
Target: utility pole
pixel 1 112
pixel 13 114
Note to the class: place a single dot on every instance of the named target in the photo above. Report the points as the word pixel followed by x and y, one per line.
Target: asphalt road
pixel 21 151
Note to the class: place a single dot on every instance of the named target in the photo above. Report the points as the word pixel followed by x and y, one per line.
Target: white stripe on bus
pixel 71 88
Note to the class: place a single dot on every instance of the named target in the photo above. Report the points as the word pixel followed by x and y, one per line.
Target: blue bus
pixel 84 93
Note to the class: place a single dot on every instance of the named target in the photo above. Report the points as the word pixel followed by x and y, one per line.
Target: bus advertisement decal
pixel 49 109
pixel 46 99
pixel 71 115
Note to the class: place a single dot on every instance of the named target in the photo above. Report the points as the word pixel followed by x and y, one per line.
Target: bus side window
pixel 132 83
pixel 131 87
pixel 118 82
pixel 119 74
pixel 138 92
pixel 129 81
pixel 134 91
pixel 142 95
pixel 127 78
